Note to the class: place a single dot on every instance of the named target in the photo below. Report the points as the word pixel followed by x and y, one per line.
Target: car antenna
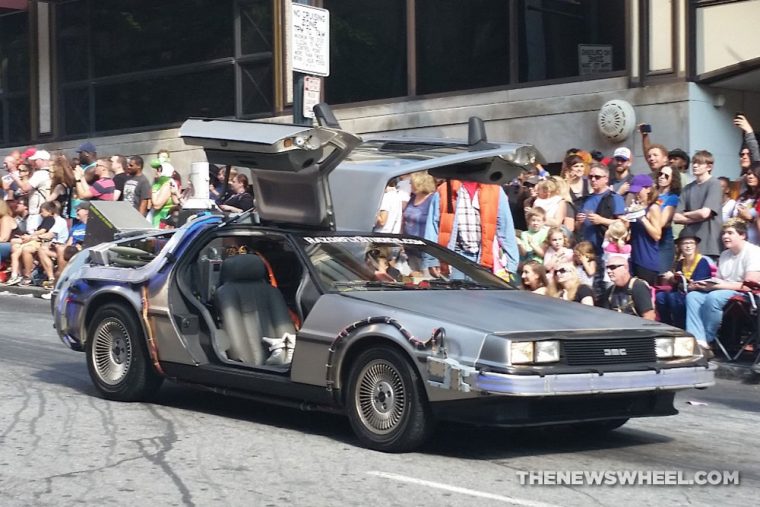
pixel 476 134
pixel 325 116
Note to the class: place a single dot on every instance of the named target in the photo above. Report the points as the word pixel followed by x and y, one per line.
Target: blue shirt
pixel 77 232
pixel 595 233
pixel 415 217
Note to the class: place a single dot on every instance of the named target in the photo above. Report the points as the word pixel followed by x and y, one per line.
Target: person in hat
pixel 679 161
pixel 38 186
pixel 622 160
pixel 164 194
pixel 88 155
pixel 690 267
pixel 646 230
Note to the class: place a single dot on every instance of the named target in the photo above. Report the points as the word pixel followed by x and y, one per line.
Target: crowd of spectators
pixel 45 201
pixel 657 241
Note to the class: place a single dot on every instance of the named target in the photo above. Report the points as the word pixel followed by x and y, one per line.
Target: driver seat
pixel 250 308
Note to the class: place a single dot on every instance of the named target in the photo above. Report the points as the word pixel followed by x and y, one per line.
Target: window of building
pixel 553 32
pixel 14 78
pixel 367 50
pixel 461 45
pixel 141 63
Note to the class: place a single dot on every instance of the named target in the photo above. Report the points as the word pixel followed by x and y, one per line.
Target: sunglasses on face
pixel 613 267
pixel 663 175
pixel 561 271
pixel 744 154
pixel 597 176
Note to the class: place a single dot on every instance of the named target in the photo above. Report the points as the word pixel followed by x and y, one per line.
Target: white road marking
pixel 456 489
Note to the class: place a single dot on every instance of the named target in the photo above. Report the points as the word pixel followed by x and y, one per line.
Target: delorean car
pixel 304 306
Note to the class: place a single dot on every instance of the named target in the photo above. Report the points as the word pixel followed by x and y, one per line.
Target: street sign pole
pixel 310 46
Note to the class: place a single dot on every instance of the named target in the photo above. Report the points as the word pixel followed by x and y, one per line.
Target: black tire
pixel 117 356
pixel 386 403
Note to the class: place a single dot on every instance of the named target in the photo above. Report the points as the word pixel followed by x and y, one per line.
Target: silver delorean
pixel 300 304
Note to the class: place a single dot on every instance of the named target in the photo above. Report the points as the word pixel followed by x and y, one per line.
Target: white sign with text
pixel 310 40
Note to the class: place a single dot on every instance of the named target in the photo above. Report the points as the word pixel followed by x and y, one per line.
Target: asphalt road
pixel 62 445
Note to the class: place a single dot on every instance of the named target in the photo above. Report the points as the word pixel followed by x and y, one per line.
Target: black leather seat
pixel 250 308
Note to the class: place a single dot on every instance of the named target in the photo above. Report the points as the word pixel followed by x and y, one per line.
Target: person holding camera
pixel 750 151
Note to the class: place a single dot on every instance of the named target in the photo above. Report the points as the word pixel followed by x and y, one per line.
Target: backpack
pixel 629 293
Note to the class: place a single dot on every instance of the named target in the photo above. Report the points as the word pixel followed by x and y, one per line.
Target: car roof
pixel 327 178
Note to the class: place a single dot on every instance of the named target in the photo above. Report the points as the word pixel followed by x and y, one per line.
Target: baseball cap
pixel 640 181
pixel 622 152
pixel 679 153
pixel 40 155
pixel 88 147
pixel 155 163
pixel 533 180
pixel 83 205
pixel 29 152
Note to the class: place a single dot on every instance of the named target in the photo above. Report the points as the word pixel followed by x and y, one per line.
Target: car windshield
pixel 351 263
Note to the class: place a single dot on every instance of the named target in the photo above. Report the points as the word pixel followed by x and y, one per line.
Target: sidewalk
pixel 737 370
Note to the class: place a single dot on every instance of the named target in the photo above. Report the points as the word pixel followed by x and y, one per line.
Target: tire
pixel 117 357
pixel 386 403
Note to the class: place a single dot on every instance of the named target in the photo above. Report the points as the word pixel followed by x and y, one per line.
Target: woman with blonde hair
pixel 8 230
pixel 563 189
pixel 568 286
pixel 415 214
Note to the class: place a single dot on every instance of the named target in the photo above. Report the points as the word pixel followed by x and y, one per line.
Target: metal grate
pixel 613 351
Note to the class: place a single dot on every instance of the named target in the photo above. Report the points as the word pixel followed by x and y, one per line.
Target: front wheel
pixel 387 406
pixel 117 358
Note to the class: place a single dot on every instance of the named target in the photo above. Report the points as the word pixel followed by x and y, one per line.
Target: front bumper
pixel 595 383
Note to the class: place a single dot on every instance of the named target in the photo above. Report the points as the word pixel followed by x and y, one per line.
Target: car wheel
pixel 387 406
pixel 117 358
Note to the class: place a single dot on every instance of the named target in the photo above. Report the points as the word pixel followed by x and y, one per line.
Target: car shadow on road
pixel 449 439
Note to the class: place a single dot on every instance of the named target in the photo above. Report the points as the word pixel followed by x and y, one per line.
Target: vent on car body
pixel 611 351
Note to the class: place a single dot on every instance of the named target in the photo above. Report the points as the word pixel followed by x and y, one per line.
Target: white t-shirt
pixel 40 183
pixel 393 205
pixel 60 230
pixel 734 268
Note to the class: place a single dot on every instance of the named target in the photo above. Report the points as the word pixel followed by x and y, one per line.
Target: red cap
pixel 28 153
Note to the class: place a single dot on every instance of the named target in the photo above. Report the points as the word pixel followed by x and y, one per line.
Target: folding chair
pixel 741 323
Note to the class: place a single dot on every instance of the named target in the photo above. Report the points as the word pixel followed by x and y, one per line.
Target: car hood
pixel 508 311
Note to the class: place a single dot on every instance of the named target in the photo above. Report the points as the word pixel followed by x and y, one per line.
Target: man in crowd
pixel 88 155
pixel 627 294
pixel 467 217
pixel 95 183
pixel 622 159
pixel 137 188
pixel 119 172
pixel 678 160
pixel 37 186
pixel 705 300
pixel 241 199
pixel 700 204
pixel 657 158
pixel 596 213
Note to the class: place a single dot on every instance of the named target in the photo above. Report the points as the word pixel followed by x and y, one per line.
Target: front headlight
pixel 521 352
pixel 547 352
pixel 663 347
pixel 684 346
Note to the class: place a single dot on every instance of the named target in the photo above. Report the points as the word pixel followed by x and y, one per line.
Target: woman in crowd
pixel 240 200
pixel 669 190
pixel 646 230
pixel 728 202
pixel 749 198
pixel 568 286
pixel 584 258
pixel 557 251
pixel 533 276
pixel 690 267
pixel 416 211
pixel 575 174
pixel 63 184
pixel 8 230
pixel 548 199
pixel 563 189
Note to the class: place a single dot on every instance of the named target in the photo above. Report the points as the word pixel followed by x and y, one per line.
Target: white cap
pixel 40 155
pixel 622 152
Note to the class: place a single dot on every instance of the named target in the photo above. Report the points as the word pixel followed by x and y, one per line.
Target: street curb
pixel 23 291
pixel 736 371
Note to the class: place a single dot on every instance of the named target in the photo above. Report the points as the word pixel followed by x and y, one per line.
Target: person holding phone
pixel 750 151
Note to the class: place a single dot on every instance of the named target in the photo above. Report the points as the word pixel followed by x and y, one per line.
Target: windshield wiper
pixel 457 284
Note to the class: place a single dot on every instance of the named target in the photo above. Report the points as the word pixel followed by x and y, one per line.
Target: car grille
pixel 616 351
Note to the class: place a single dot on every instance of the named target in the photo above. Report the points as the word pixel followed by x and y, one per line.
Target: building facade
pixel 126 73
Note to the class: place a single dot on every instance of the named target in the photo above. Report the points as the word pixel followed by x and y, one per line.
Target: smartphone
pixel 645 128
pixel 738 114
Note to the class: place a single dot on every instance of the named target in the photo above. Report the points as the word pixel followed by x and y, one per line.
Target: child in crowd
pixel 531 242
pixel 616 243
pixel 557 251
pixel 584 258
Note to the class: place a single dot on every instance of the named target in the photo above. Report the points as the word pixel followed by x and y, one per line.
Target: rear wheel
pixel 117 358
pixel 387 406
